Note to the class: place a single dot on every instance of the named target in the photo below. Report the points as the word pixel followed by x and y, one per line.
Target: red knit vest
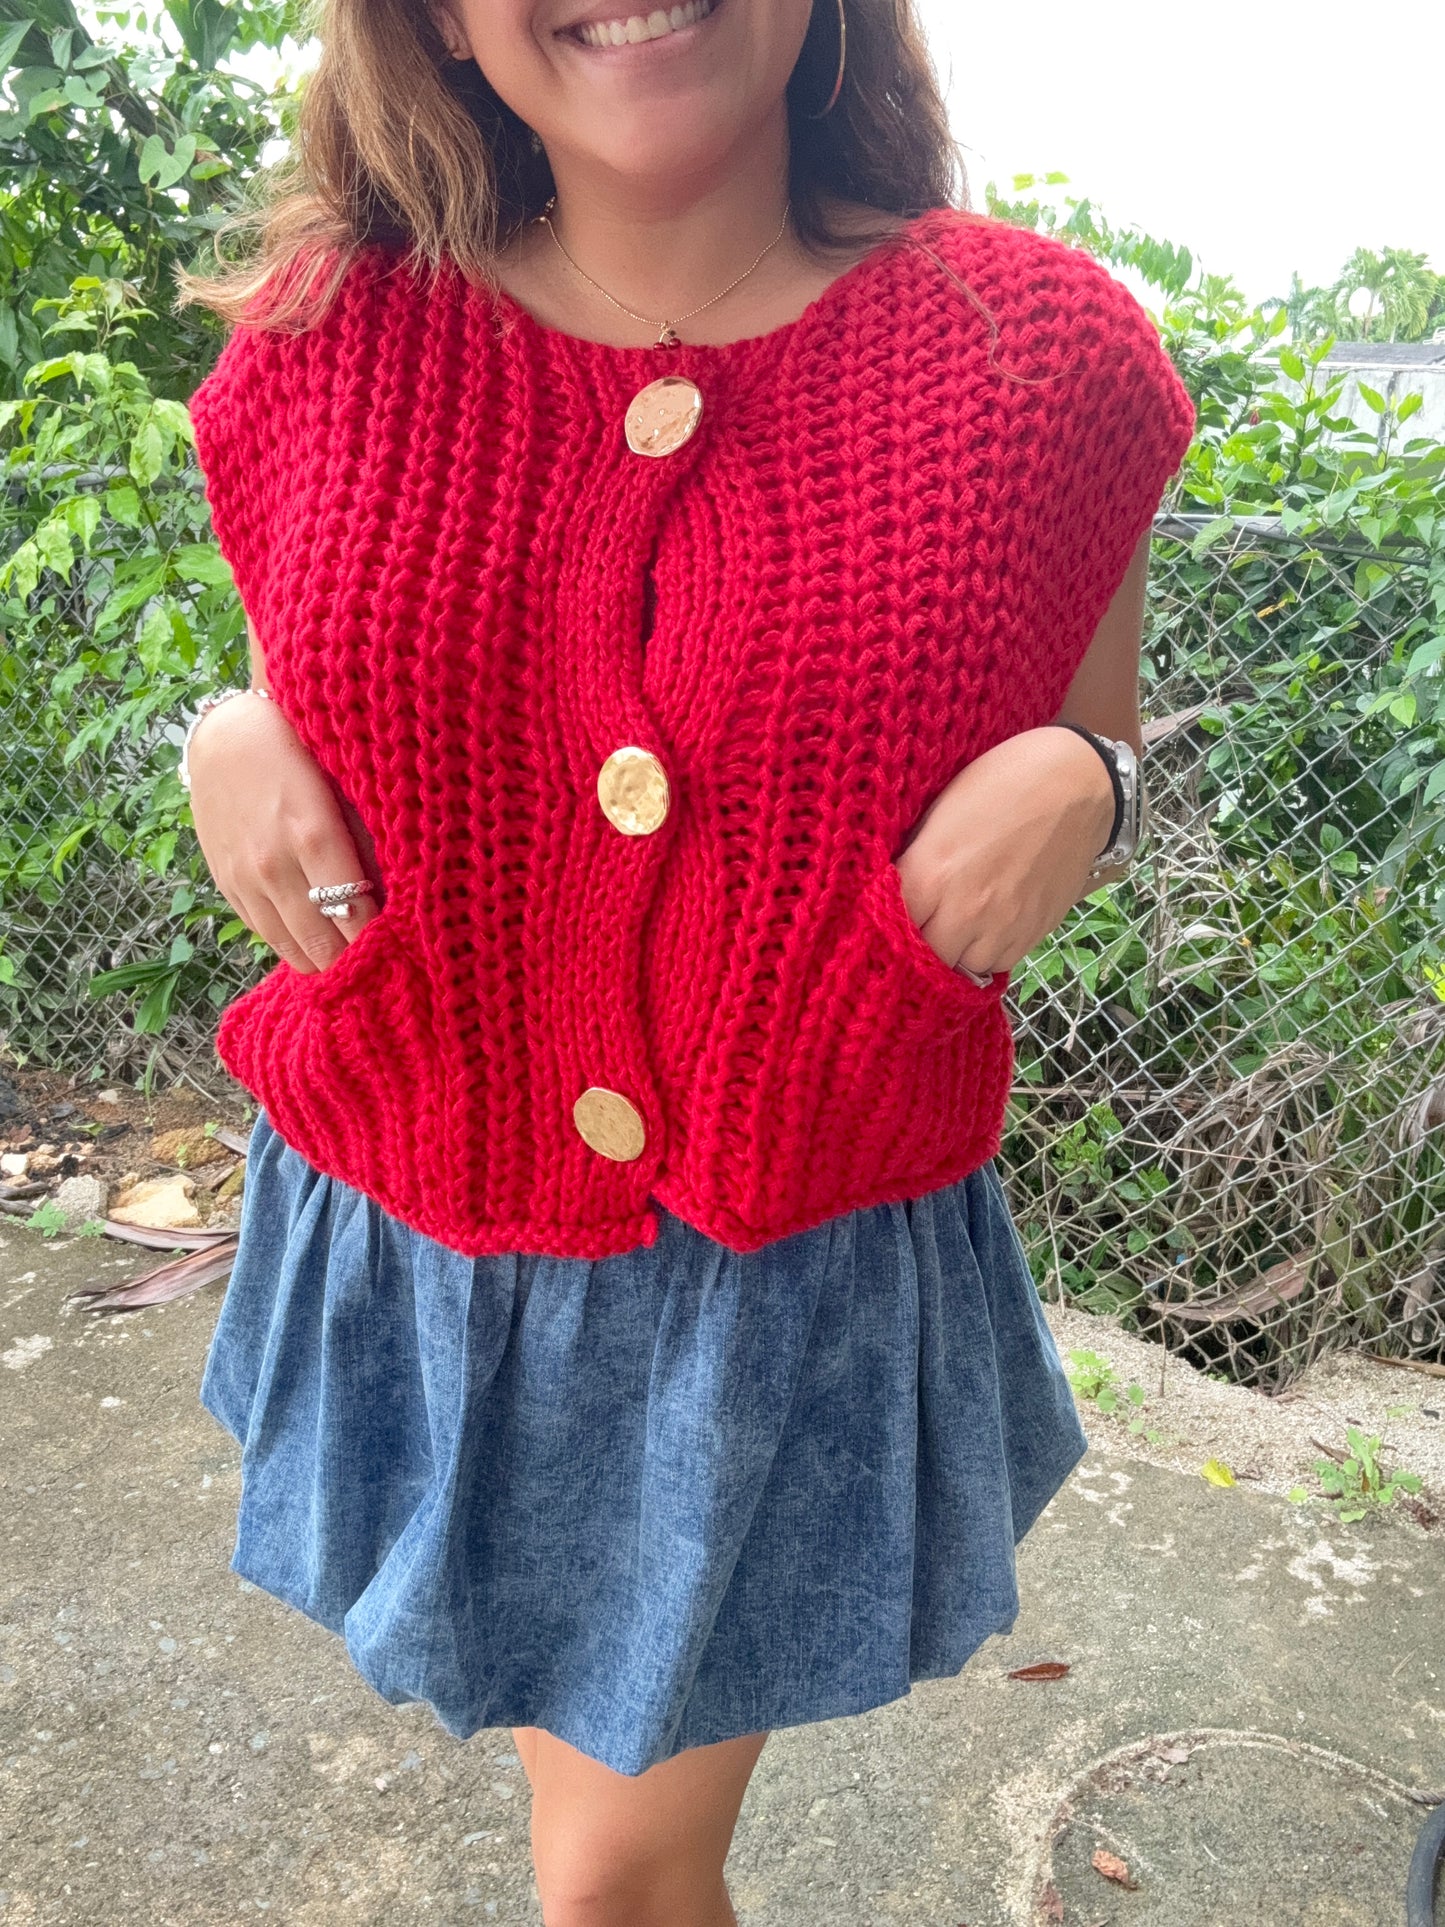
pixel 878 553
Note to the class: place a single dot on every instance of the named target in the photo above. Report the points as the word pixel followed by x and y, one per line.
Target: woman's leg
pixel 645 1850
pixel 525 1739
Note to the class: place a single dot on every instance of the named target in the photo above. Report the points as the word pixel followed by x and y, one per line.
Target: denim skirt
pixel 647 1501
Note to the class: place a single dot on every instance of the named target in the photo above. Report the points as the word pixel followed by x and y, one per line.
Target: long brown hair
pixel 398 144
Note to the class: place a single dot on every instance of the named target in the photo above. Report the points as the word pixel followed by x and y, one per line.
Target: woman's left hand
pixel 1001 856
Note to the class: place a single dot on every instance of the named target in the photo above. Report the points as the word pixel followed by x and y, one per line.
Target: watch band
pixel 1104 746
pixel 1126 780
pixel 1126 841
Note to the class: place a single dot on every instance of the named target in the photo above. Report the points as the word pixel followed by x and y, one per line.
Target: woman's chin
pixel 666 149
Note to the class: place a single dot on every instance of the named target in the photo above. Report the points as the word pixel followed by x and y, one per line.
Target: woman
pixel 671 535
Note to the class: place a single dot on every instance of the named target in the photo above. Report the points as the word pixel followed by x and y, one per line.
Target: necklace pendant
pixel 668 338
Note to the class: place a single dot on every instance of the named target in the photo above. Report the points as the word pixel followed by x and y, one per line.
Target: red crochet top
pixel 637 735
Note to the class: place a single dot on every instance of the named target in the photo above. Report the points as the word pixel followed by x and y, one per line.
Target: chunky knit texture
pixel 880 554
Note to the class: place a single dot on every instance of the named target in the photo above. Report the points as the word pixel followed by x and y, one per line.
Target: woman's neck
pixel 660 247
pixel 666 250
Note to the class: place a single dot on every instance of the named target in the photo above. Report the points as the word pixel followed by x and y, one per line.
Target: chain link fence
pixel 1231 1078
pixel 1230 1090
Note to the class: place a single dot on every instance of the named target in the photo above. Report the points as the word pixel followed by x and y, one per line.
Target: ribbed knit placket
pixel 612 876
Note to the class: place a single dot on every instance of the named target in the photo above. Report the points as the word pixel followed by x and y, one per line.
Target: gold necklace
pixel 667 336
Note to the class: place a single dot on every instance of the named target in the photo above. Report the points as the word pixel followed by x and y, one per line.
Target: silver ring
pixel 983 980
pixel 334 899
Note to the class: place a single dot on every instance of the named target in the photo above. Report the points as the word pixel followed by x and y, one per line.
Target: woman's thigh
pixel 599 1836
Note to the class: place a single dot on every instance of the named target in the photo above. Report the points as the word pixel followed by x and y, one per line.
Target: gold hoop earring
pixel 842 63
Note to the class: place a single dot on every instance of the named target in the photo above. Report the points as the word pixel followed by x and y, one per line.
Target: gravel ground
pixel 1268 1442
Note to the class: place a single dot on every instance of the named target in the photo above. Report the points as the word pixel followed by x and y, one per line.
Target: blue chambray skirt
pixel 647 1501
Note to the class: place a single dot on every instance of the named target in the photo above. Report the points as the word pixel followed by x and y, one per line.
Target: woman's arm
pixel 1104 690
pixel 1002 854
pixel 1104 695
pixel 258 658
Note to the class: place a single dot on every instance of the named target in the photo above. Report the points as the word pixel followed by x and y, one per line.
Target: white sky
pixel 1263 137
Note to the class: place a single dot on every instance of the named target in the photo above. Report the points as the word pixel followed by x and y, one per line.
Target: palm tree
pixel 1403 292
pixel 1312 312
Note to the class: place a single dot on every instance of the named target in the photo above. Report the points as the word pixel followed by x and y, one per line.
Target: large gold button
pixel 633 790
pixel 607 1122
pixel 664 416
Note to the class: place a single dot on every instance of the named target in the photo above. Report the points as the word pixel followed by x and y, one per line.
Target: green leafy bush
pixel 116 605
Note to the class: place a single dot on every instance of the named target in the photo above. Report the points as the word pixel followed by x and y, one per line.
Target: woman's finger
pixel 323 853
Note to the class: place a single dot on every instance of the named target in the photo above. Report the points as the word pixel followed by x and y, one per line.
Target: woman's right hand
pixel 271 824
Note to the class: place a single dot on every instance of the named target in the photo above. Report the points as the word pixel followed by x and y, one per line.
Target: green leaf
pixel 55 547
pixel 161 853
pixel 10 39
pixel 131 976
pixel 155 1008
pixel 1371 397
pixel 161 165
pixel 202 562
pixel 153 641
pixel 1211 533
pixel 80 94
pixel 147 454
pixel 82 517
pixel 66 848
pixel 1424 655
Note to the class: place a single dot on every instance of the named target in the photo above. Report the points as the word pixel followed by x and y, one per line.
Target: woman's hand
pixel 1000 857
pixel 270 825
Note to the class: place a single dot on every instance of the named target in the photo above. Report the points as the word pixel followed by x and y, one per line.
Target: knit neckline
pixel 718 353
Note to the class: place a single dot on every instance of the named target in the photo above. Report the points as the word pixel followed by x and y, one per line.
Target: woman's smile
pixel 610 34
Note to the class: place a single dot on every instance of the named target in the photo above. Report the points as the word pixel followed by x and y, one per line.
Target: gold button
pixel 664 416
pixel 633 790
pixel 607 1122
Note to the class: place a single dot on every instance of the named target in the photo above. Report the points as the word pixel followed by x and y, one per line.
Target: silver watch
pixel 1131 822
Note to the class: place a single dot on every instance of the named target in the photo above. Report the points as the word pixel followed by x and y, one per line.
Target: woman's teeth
pixel 639 26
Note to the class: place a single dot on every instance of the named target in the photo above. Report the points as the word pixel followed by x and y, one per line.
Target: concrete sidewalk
pixel 1253 1692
